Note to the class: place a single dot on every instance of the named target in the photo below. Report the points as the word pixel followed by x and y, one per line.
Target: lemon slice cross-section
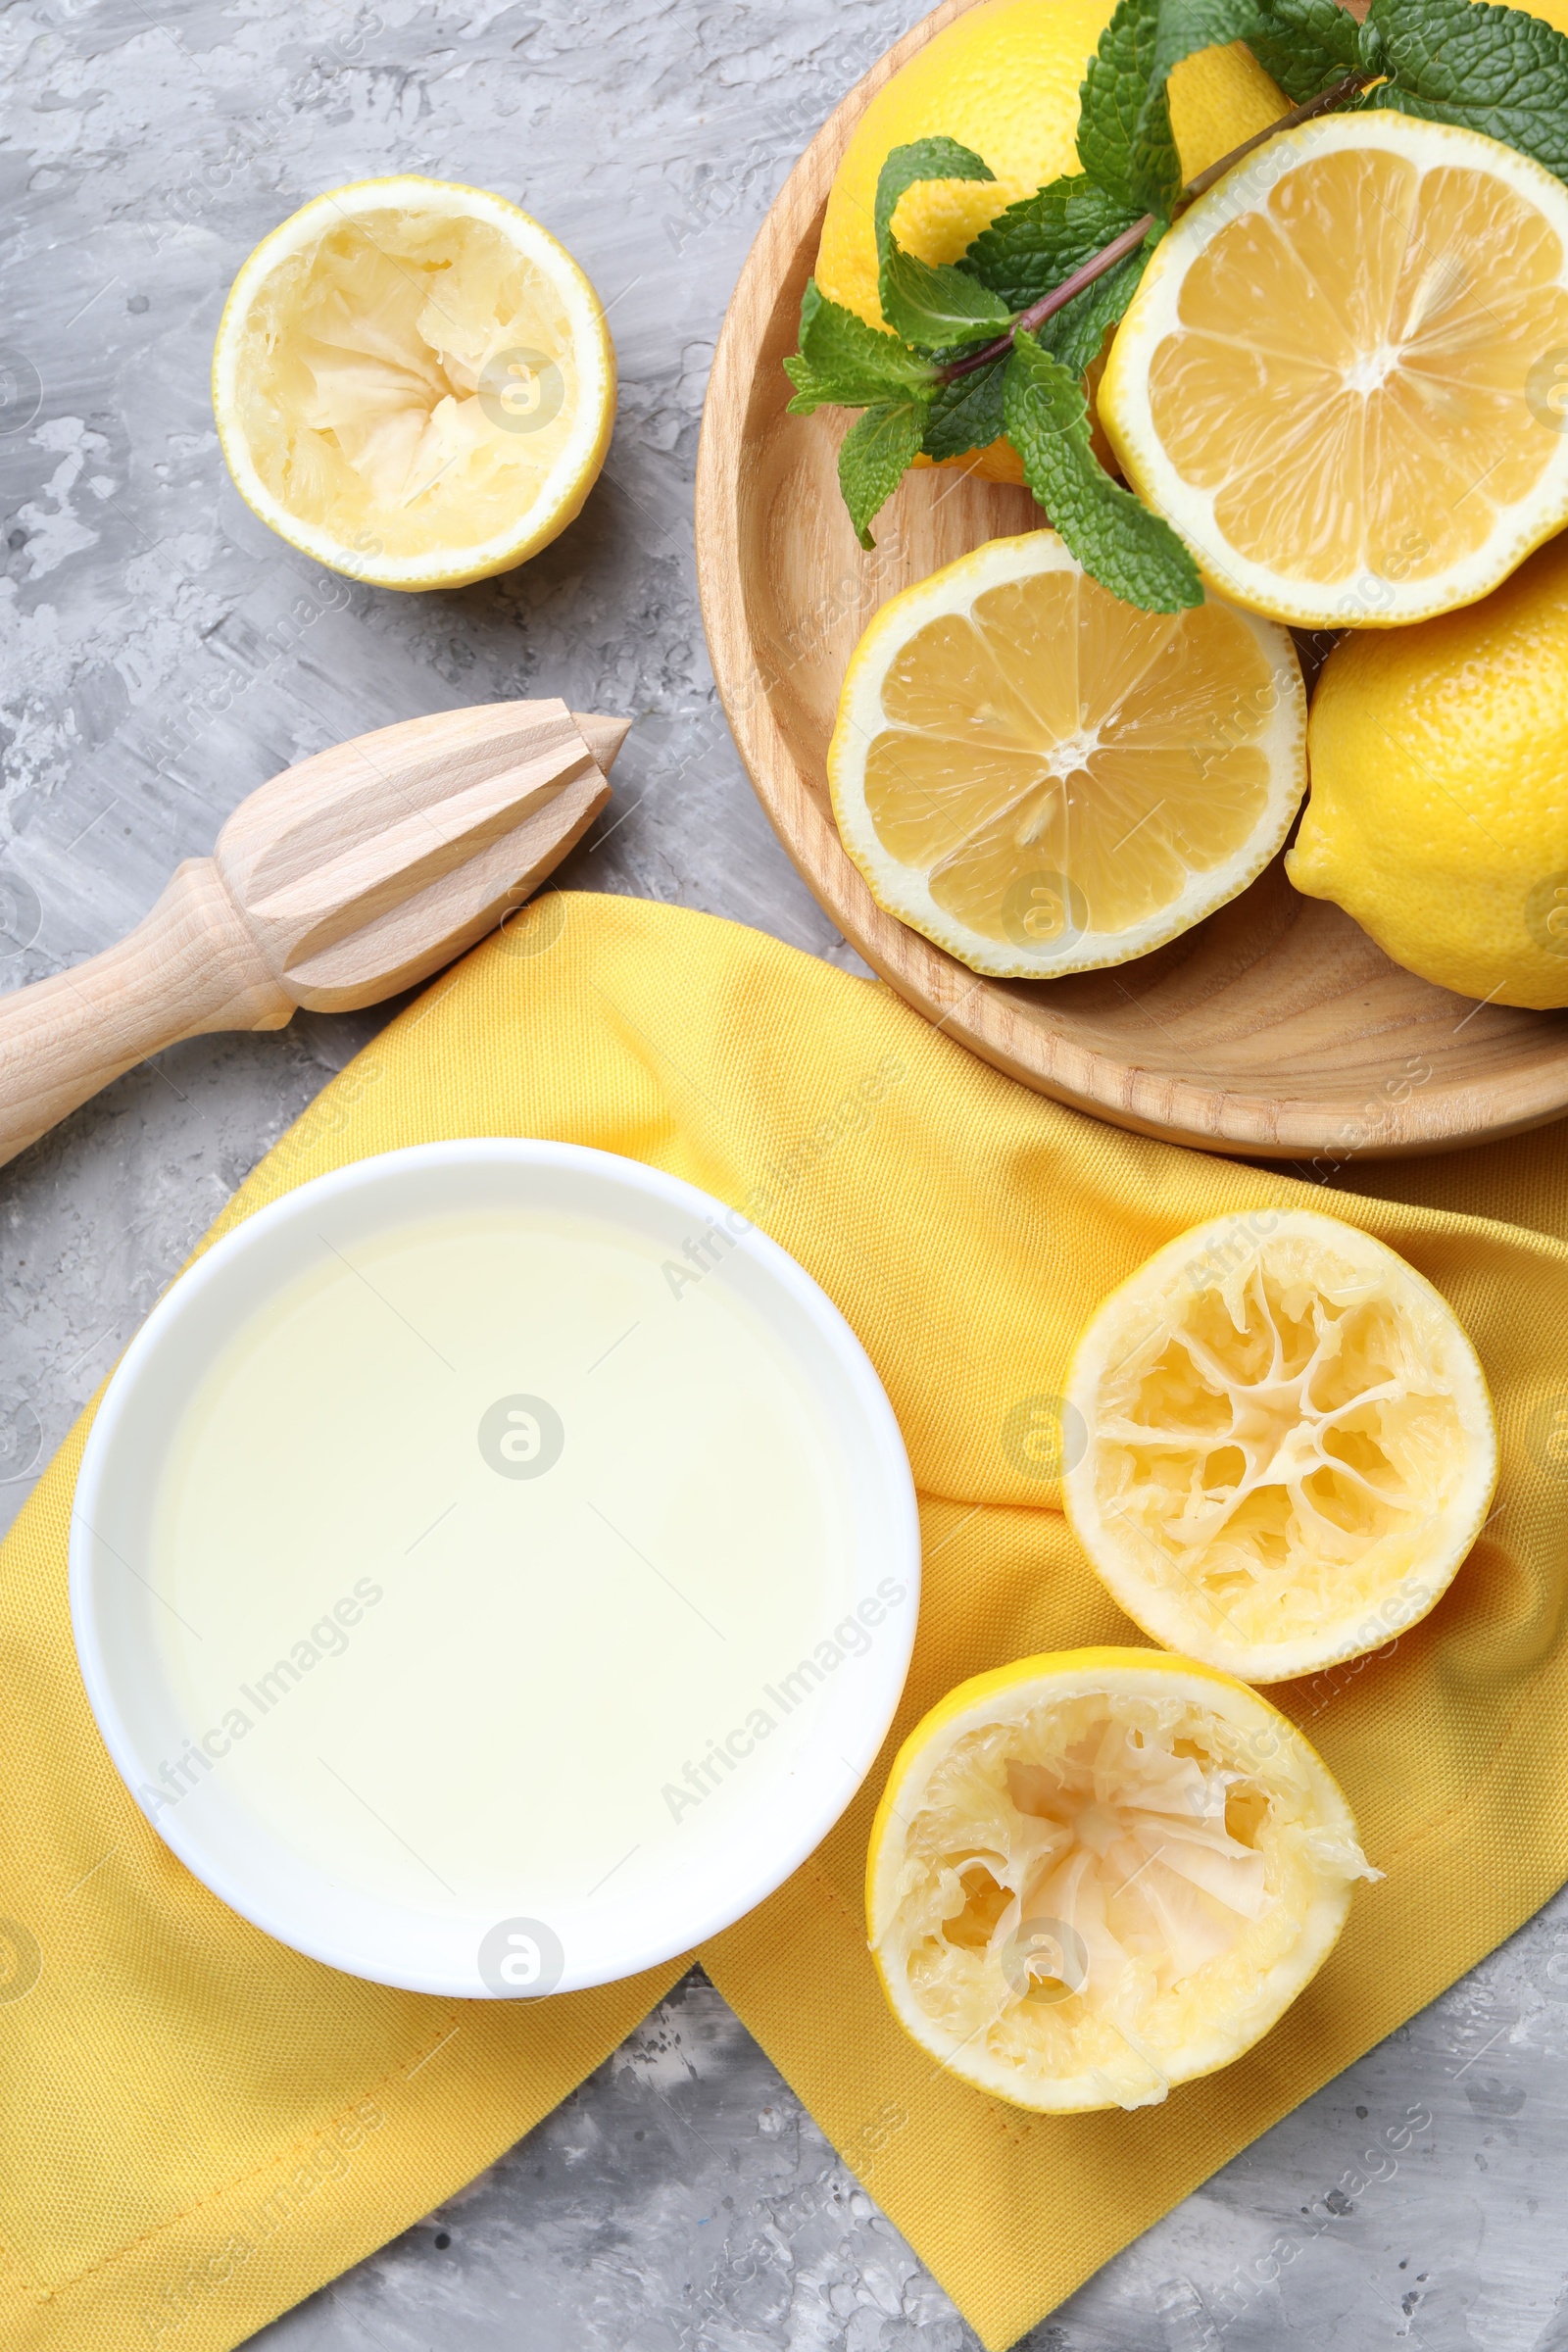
pixel 1042 779
pixel 1101 1872
pixel 414 383
pixel 1290 1444
pixel 1341 375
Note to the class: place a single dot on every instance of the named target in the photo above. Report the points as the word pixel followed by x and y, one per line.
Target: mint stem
pixel 1059 296
pixel 1131 238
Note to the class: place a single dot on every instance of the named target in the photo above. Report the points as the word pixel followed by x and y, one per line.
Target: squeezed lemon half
pixel 1336 379
pixel 414 383
pixel 1100 1871
pixel 1290 1444
pixel 1042 779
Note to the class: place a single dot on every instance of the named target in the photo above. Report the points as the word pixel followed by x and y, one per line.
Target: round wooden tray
pixel 1274 1029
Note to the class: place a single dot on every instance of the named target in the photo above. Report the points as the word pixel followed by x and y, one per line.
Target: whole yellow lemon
pixel 1438 809
pixel 1003 80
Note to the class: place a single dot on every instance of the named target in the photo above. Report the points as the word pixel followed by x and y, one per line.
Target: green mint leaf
pixel 843 361
pixel 873 458
pixel 1035 244
pixel 967 414
pixel 1370 52
pixel 1073 337
pixel 1305 45
pixel 923 159
pixel 1124 134
pixel 1489 69
pixel 1157 169
pixel 1118 542
pixel 1186 26
pixel 1183 28
pixel 936 305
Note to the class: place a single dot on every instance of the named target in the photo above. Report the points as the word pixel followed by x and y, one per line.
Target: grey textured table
pixel 161 655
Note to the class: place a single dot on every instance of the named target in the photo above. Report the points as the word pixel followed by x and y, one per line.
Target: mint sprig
pixel 998 340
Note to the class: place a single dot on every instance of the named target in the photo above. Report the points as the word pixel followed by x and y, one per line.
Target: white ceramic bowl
pixel 501 1939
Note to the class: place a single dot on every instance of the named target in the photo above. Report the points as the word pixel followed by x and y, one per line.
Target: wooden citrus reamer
pixel 346 878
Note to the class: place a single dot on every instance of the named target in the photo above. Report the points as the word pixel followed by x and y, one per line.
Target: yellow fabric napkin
pixel 199 2126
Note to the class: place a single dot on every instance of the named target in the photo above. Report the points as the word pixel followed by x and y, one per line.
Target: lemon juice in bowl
pixel 523 1567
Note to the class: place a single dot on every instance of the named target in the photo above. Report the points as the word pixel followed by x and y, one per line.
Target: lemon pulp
pixel 1395 382
pixel 1324 379
pixel 1291 1448
pixel 1103 1873
pixel 1093 768
pixel 371 389
pixel 414 382
pixel 1041 777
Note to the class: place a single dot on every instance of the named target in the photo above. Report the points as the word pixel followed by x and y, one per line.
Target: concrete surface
pixel 150 674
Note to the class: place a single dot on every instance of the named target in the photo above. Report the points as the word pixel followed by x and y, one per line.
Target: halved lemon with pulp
pixel 414 383
pixel 1337 377
pixel 1043 780
pixel 1101 1872
pixel 1290 1444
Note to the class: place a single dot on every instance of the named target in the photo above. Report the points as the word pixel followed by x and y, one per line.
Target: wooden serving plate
pixel 1274 1029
